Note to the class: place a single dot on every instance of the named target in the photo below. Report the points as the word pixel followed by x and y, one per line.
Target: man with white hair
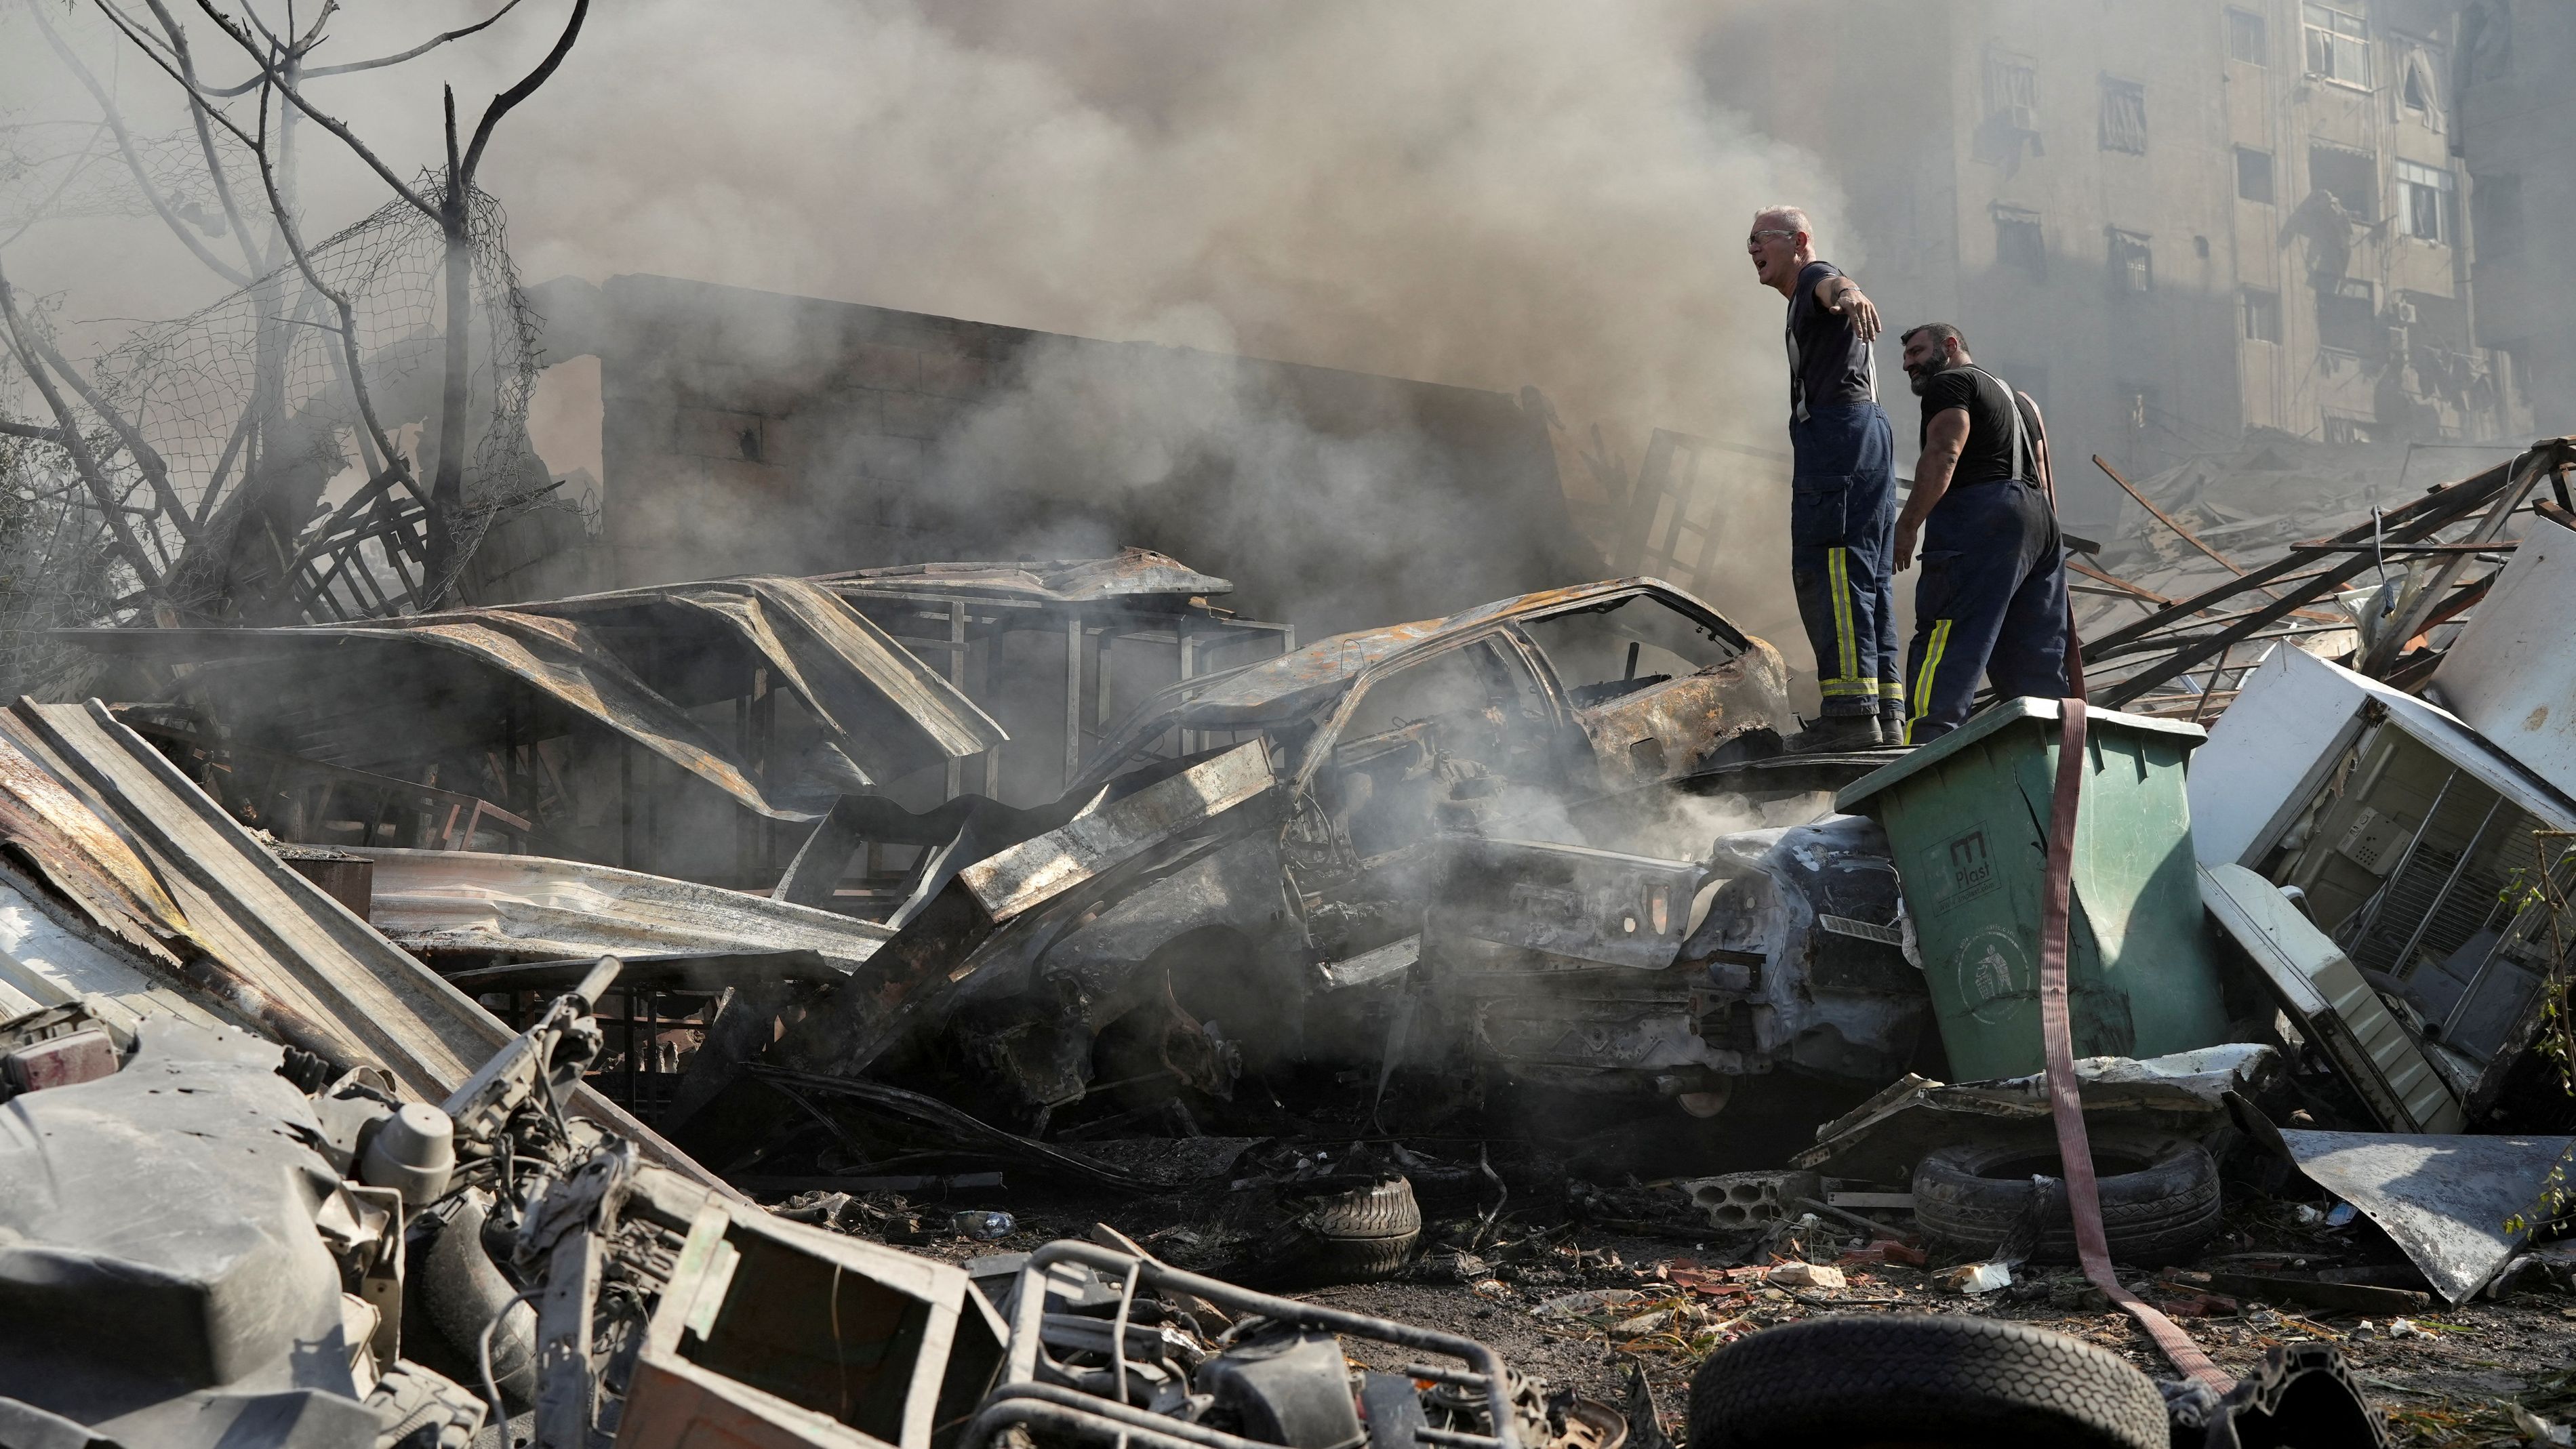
pixel 1842 506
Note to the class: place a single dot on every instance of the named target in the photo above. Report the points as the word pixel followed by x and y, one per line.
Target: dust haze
pixel 1494 194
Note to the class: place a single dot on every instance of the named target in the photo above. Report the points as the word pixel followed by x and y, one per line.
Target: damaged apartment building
pixel 2173 224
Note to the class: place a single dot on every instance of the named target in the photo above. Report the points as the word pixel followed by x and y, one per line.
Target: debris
pixel 1975 1278
pixel 983 1225
pixel 2459 1206
pixel 2329 1002
pixel 2183 1095
pixel 1805 1275
pixel 2402 829
pixel 1737 1201
pixel 2318 1293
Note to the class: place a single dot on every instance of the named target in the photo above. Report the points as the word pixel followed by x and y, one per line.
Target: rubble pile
pixel 411 1017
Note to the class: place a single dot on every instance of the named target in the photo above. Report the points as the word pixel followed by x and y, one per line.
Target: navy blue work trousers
pixel 1842 554
pixel 1991 602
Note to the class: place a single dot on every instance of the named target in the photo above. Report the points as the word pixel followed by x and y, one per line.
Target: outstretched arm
pixel 1843 297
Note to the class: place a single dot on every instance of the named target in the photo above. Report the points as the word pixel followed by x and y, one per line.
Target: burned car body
pixel 1266 864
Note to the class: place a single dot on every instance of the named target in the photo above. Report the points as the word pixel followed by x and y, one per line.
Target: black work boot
pixel 1836 732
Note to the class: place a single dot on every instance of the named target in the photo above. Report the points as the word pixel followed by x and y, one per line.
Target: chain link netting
pixel 246 406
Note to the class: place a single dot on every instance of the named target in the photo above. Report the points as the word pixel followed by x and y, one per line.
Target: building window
pixel 2425 201
pixel 2351 177
pixel 2262 315
pixel 2496 203
pixel 2020 242
pixel 2012 91
pixel 2247 40
pixel 2415 90
pixel 2133 262
pixel 2348 432
pixel 2253 175
pixel 710 433
pixel 2124 116
pixel 2348 317
pixel 2338 45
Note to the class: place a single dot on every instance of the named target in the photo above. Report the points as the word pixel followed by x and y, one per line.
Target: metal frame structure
pixel 1021 1398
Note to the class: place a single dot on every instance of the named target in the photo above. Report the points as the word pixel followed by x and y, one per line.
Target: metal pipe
pixel 2459 868
pixel 2406 857
pixel 1028 1309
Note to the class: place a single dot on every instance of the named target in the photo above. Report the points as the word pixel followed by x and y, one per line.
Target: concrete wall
pixel 2518 130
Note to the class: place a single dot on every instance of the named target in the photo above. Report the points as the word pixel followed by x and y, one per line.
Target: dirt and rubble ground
pixel 1566 1297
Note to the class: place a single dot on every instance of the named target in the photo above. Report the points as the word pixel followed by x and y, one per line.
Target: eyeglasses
pixel 1756 238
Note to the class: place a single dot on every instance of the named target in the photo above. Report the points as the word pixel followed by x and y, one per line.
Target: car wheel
pixel 2160 1198
pixel 1348 1234
pixel 1921 1379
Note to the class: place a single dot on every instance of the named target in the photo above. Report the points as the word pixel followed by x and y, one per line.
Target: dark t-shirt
pixel 1988 453
pixel 1829 366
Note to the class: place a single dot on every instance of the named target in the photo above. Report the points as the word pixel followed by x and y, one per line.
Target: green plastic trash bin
pixel 1967 818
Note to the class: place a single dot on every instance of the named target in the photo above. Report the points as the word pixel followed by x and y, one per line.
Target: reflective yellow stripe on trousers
pixel 1923 677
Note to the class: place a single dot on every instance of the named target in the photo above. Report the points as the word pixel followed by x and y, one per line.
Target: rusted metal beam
pixel 2409 522
pixel 2167 519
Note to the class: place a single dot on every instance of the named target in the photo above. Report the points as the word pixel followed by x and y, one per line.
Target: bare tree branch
pixel 417 51
pixel 125 144
pixel 285 86
pixel 178 41
pixel 348 328
pixel 506 100
pixel 30 430
pixel 155 471
pixel 83 461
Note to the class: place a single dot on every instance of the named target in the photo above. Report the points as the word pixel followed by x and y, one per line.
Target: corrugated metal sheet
pixel 249 934
pixel 535 907
pixel 1134 574
pixel 885 709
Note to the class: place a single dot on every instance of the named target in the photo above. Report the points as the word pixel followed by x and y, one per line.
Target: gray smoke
pixel 1491 194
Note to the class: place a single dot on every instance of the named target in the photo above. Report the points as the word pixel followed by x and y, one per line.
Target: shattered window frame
pixel 2262 309
pixel 2021 240
pixel 2124 116
pixel 2012 90
pixel 1535 633
pixel 2256 178
pixel 2249 38
pixel 2427 201
pixel 2132 262
pixel 2338 45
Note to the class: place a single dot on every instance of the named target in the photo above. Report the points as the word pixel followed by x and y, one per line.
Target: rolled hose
pixel 465 1294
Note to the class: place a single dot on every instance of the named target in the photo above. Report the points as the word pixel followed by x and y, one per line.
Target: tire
pixel 1378 1210
pixel 2160 1198
pixel 1357 1233
pixel 421 1409
pixel 1921 1379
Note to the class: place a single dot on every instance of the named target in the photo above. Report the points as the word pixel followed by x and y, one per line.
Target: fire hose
pixel 2066 1105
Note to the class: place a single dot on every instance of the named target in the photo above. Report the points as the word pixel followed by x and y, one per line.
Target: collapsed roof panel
pixel 231 923
pixel 1136 573
pixel 635 661
pixel 530 906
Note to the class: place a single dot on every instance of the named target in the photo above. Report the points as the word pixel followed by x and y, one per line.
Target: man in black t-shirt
pixel 1992 599
pixel 1842 506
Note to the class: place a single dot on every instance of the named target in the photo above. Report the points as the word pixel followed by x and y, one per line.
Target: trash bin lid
pixel 1996 717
